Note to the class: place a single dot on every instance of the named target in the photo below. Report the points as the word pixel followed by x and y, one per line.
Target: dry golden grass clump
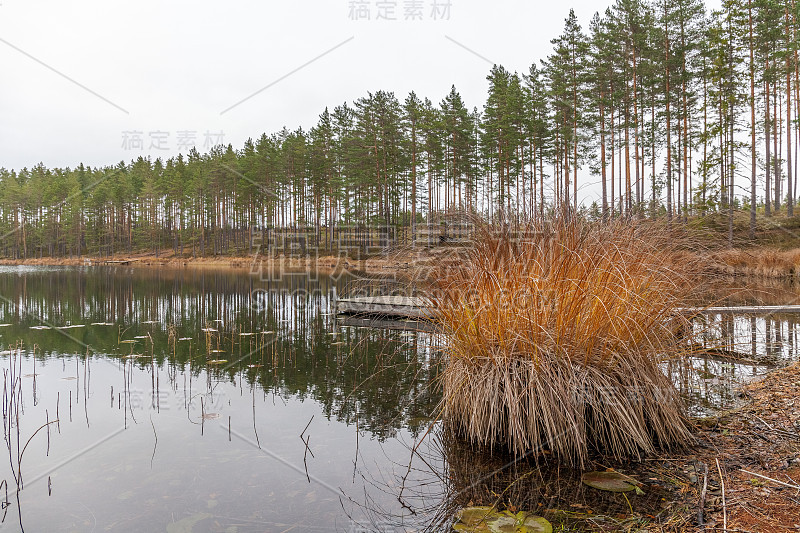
pixel 556 336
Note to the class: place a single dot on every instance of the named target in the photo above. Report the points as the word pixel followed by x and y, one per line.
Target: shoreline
pixel 762 263
pixel 391 262
pixel 748 455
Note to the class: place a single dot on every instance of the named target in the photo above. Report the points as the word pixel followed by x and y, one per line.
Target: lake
pixel 181 401
pixel 217 400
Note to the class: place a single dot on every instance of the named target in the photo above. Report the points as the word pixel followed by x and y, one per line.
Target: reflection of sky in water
pixel 132 450
pixel 742 348
pixel 120 477
pixel 135 453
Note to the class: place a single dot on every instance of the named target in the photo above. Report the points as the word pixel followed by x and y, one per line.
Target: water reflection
pixel 737 349
pixel 180 402
pixel 205 400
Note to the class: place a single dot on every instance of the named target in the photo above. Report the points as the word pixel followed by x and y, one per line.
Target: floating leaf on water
pixel 609 481
pixel 505 522
pixel 489 520
pixel 211 416
pixel 217 361
pixel 473 519
pixel 478 528
pixel 529 523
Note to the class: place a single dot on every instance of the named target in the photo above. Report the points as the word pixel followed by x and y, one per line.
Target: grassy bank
pixel 774 253
pixel 397 261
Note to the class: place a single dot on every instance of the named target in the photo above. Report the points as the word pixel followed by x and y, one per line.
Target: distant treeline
pixel 675 111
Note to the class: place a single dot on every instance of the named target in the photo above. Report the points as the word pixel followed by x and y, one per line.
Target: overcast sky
pixel 90 81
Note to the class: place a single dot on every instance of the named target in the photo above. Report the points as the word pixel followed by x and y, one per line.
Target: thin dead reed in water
pixel 556 331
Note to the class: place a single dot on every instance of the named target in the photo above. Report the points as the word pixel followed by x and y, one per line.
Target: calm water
pixel 746 346
pixel 202 400
pixel 181 401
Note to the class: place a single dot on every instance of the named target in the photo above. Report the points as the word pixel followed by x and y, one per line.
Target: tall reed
pixel 556 333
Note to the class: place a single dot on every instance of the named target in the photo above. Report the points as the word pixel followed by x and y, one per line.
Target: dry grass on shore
pixel 555 337
pixel 760 263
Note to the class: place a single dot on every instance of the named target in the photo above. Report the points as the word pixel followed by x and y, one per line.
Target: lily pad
pixel 473 519
pixel 489 520
pixel 505 522
pixel 610 481
pixel 533 524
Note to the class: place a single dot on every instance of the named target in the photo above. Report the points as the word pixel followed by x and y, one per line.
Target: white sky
pixel 176 66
